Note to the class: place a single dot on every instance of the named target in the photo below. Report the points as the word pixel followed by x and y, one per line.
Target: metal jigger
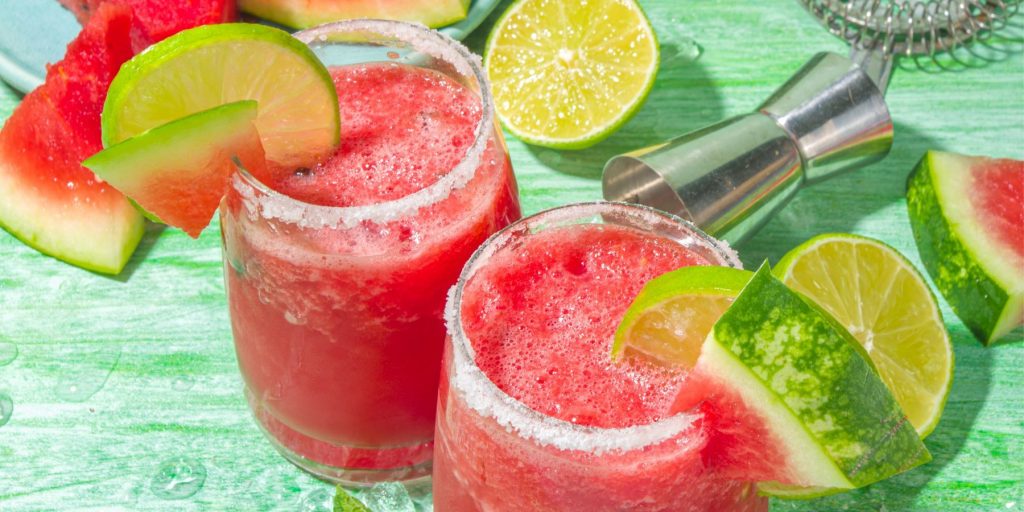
pixel 729 178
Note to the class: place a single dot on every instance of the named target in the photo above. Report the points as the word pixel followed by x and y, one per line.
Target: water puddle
pixel 178 478
pixel 317 500
pixel 183 383
pixel 8 353
pixel 6 408
pixel 87 372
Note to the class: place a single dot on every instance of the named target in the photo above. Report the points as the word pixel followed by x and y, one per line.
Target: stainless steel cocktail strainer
pixel 729 178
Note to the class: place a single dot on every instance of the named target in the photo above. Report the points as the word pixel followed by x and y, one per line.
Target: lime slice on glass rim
pixel 567 75
pixel 885 303
pixel 669 319
pixel 208 66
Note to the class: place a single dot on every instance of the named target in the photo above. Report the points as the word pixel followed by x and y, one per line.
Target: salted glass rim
pixel 279 206
pixel 486 398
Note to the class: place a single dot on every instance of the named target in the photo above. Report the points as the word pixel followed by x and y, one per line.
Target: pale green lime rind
pixel 790 492
pixel 589 139
pixel 963 264
pixel 304 13
pixel 121 160
pixel 296 94
pixel 785 265
pixel 812 382
pixel 122 164
pixel 98 240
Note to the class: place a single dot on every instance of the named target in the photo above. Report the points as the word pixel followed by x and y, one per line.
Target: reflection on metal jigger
pixel 729 178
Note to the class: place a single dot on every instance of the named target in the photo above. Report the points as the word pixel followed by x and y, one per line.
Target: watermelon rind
pixel 196 150
pixel 975 274
pixel 100 240
pixel 813 385
pixel 205 67
pixel 307 13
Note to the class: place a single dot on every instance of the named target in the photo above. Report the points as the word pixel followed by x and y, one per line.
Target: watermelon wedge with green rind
pixel 824 410
pixel 967 215
pixel 307 13
pixel 47 199
pixel 178 171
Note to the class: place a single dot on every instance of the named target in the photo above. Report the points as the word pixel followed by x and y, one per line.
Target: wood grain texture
pixel 114 376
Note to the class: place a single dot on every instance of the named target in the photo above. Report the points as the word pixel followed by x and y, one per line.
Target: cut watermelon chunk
pixel 307 13
pixel 156 20
pixel 179 171
pixel 47 199
pixel 967 215
pixel 790 397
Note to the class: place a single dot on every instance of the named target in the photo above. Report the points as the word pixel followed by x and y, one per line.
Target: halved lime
pixel 884 302
pixel 568 74
pixel 674 312
pixel 208 66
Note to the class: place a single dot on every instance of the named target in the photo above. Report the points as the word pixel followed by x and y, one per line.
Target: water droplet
pixel 183 383
pixel 390 496
pixel 92 368
pixel 676 44
pixel 6 408
pixel 317 500
pixel 178 478
pixel 8 353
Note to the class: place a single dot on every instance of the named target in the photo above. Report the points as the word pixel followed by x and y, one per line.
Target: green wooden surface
pixel 113 377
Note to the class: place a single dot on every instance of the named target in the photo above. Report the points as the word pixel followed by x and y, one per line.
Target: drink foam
pixel 542 314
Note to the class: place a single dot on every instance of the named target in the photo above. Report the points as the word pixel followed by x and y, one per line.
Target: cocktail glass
pixel 336 311
pixel 496 453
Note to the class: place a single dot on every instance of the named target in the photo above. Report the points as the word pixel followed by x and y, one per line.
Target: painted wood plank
pixel 115 376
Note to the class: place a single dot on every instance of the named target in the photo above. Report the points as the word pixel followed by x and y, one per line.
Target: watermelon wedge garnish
pixel 179 171
pixel 967 213
pixel 794 398
pixel 47 199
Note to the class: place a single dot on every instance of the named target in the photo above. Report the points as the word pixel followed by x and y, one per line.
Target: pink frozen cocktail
pixel 337 273
pixel 533 414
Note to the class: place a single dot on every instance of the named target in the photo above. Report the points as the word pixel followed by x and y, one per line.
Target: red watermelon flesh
pixel 997 192
pixel 47 199
pixel 739 445
pixel 156 20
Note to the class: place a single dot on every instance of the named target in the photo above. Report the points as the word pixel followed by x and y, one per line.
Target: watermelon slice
pixel 791 398
pixel 179 171
pixel 47 199
pixel 967 215
pixel 307 13
pixel 156 20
